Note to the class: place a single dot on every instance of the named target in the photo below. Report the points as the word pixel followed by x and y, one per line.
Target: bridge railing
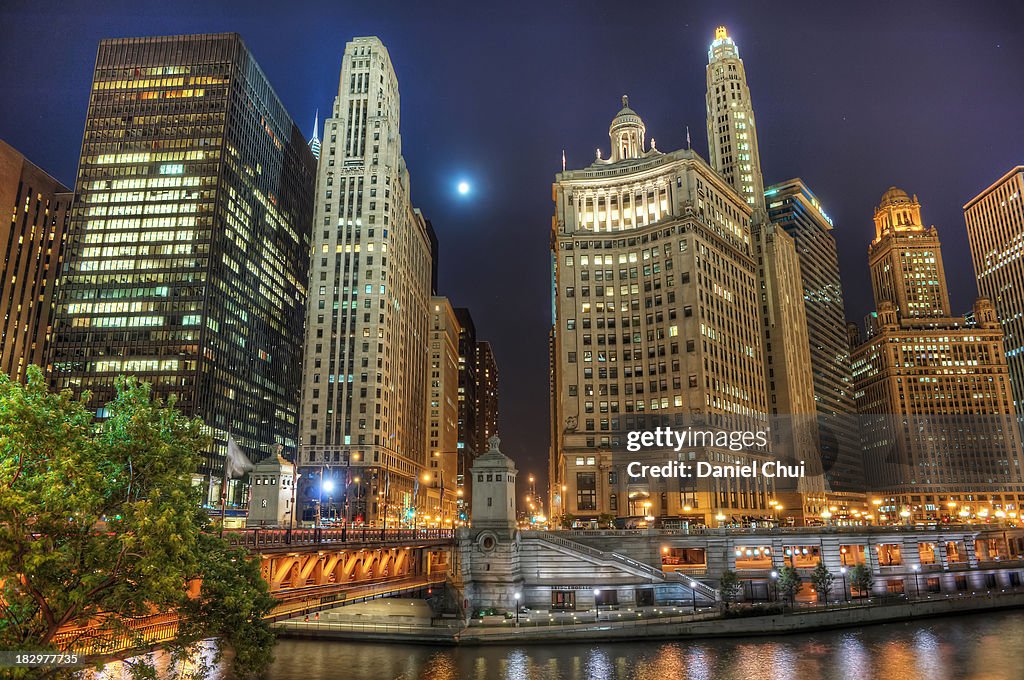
pixel 270 538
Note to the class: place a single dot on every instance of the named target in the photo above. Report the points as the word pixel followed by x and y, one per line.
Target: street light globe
pixel 328 485
pixel 775 574
pixel 518 595
pixel 720 517
pixel 597 591
pixel 842 570
pixel 917 567
pixel 904 513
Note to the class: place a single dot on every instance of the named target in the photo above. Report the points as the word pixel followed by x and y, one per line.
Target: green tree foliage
pixel 100 524
pixel 729 586
pixel 821 579
pixel 789 583
pixel 861 579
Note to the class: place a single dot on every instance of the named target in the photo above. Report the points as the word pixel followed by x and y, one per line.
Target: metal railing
pixel 271 538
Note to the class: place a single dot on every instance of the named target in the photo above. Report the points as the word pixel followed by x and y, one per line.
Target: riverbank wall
pixel 684 627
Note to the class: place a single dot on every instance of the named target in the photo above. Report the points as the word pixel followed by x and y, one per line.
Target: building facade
pixel 486 392
pixel 364 378
pixel 189 242
pixel 732 134
pixel 995 229
pixel 937 418
pixel 793 207
pixel 733 152
pixel 657 323
pixel 469 445
pixel 440 479
pixel 34 240
pixel 906 259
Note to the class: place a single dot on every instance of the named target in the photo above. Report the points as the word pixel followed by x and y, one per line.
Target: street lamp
pixel 721 518
pixel 517 596
pixel 775 585
pixel 846 592
pixel 693 594
pixel 917 582
pixel 597 605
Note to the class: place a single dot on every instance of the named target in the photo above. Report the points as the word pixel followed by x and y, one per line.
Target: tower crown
pixel 897 212
pixel 722 47
pixel 627 133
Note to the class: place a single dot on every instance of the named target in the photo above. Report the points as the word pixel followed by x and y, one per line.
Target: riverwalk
pixel 414 625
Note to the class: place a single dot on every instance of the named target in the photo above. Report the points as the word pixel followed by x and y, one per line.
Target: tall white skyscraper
pixel 732 149
pixel 732 135
pixel 363 416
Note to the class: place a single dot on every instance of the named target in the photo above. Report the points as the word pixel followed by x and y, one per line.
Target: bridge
pixel 311 569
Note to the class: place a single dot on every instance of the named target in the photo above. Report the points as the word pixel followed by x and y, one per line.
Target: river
pixel 982 646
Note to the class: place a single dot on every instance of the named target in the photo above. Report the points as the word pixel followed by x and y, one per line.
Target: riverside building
pixel 936 408
pixel 657 322
pixel 34 241
pixel 189 242
pixel 794 207
pixel 733 152
pixel 995 229
pixel 363 424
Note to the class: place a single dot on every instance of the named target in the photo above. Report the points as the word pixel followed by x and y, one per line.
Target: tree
pixel 861 579
pixel 100 524
pixel 821 579
pixel 789 583
pixel 729 586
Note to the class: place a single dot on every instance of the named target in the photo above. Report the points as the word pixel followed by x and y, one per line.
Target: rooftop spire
pixel 314 141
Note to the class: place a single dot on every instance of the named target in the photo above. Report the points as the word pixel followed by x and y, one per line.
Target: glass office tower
pixel 189 251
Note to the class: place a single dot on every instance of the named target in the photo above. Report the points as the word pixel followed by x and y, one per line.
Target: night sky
pixel 927 96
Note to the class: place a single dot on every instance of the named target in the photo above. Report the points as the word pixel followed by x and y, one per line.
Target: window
pixel 586 491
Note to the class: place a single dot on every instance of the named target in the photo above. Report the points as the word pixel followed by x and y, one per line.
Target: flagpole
pixel 224 488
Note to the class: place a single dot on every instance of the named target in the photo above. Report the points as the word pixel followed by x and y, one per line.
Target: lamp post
pixel 693 595
pixel 917 582
pixel 517 596
pixel 597 604
pixel 775 586
pixel 846 592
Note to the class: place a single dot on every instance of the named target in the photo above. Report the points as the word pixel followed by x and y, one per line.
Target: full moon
pixel 463 187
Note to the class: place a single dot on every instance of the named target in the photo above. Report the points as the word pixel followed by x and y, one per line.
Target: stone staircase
pixel 702 589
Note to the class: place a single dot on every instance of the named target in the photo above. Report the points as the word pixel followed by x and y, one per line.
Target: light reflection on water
pixel 977 647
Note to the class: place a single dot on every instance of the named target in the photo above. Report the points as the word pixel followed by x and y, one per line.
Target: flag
pixel 563 160
pixel 687 136
pixel 236 464
pixel 416 489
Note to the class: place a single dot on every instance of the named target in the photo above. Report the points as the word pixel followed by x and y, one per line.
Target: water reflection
pixel 982 647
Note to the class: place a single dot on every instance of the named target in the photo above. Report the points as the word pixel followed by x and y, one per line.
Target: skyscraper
pixel 793 207
pixel 189 241
pixel 364 396
pixel 933 391
pixel 732 134
pixel 906 260
pixel 469 447
pixel 657 322
pixel 34 240
pixel 995 229
pixel 440 478
pixel 733 152
pixel 486 392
